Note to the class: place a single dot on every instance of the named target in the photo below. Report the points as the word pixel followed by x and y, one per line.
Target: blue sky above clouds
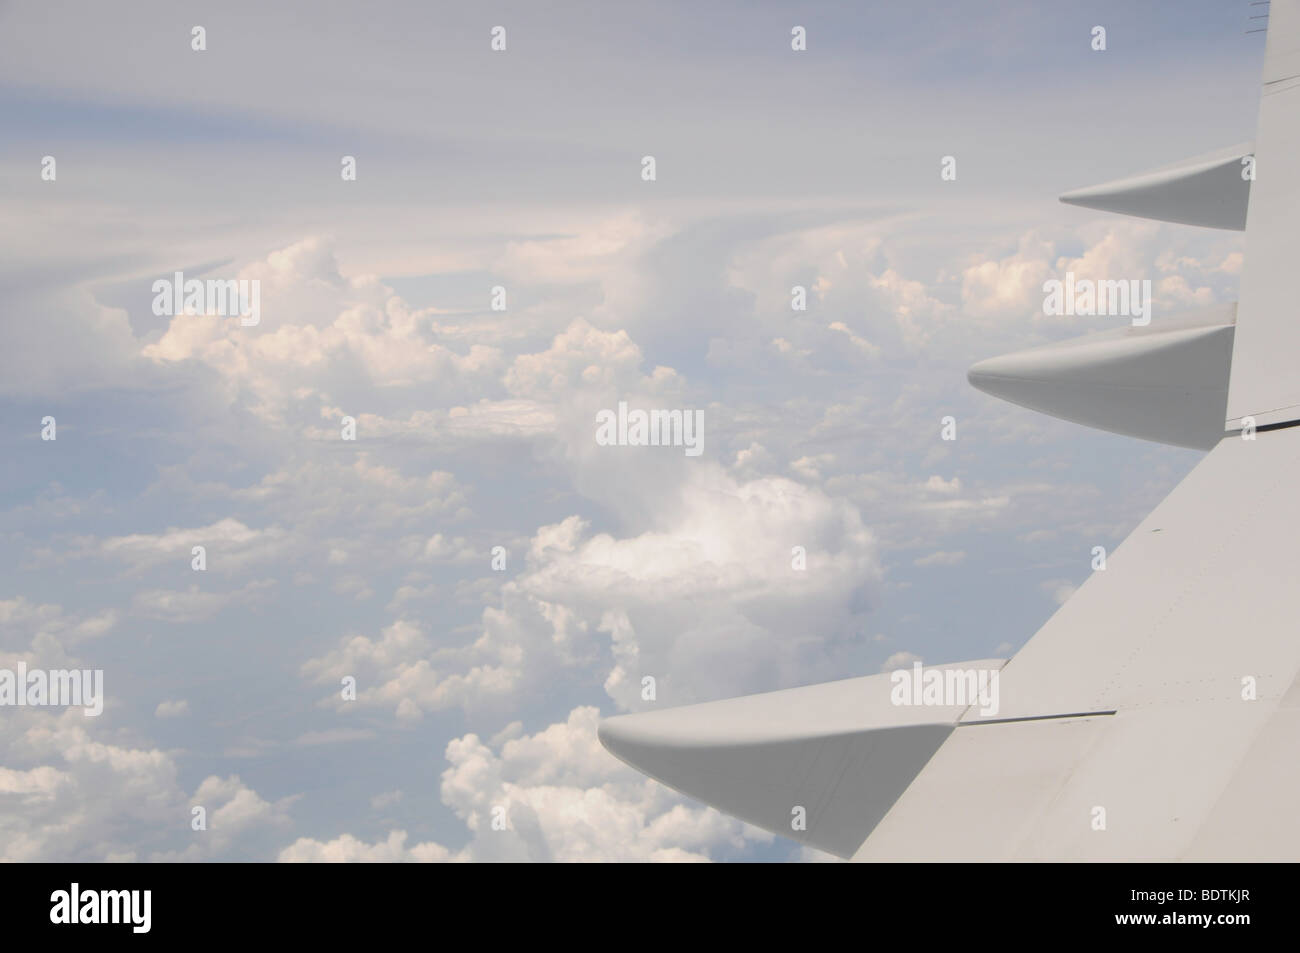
pixel 372 558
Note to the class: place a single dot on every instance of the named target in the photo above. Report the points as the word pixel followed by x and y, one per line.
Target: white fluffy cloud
pixel 1011 287
pixel 708 601
pixel 317 329
pixel 556 795
pixel 75 796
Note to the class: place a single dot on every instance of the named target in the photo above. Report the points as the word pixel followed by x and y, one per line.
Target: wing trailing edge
pixel 820 764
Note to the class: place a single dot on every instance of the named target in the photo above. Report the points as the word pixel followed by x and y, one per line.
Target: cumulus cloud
pixel 706 603
pixel 556 795
pixel 998 290
pixel 346 849
pixel 87 799
pixel 319 329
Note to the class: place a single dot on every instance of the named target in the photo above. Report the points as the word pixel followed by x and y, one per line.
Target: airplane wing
pixel 1156 716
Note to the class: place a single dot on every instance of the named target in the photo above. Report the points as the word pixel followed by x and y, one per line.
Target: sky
pixel 327 559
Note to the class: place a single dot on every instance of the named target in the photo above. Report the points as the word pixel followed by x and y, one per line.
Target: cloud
pixel 347 849
pixel 940 558
pixel 705 602
pixel 172 709
pixel 193 604
pixel 26 625
pixel 66 344
pixel 556 795
pixel 230 546
pixel 102 801
pixel 319 331
pixel 899 660
pixel 579 357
